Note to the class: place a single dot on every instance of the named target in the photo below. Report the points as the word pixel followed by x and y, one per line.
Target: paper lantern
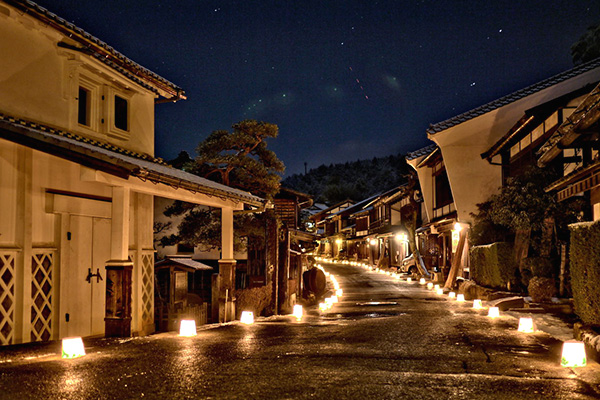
pixel 573 354
pixel 526 325
pixel 298 311
pixel 187 327
pixel 436 287
pixel 72 347
pixel 322 306
pixel 409 280
pixel 247 317
pixel 460 297
pixel 494 312
pixel 440 291
pixel 477 304
pixel 339 292
pixel 422 281
pixel 430 285
pixel 334 299
pixel 452 295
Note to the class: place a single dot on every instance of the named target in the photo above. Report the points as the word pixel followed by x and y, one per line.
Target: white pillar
pixel 227 234
pixel 119 248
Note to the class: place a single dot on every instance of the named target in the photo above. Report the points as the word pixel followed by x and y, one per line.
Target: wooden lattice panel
pixel 147 269
pixel 7 298
pixel 41 296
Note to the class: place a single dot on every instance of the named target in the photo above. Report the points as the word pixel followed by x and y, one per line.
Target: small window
pixel 84 106
pixel 121 120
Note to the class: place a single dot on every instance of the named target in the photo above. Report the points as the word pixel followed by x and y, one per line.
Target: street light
pixel 72 347
pixel 573 354
pixel 247 317
pixel 187 327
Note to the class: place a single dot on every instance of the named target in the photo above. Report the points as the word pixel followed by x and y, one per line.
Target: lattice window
pixel 41 294
pixel 147 269
pixel 7 298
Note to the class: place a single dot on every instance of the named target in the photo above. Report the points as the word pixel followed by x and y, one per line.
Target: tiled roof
pixel 421 152
pixel 115 160
pixel 99 49
pixel 511 98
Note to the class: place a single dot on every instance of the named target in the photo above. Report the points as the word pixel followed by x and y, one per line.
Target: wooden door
pixel 89 249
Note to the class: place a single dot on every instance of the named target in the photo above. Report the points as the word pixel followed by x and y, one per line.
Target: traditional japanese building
pixel 78 179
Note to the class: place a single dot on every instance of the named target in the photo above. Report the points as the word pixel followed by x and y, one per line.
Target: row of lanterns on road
pixel 573 352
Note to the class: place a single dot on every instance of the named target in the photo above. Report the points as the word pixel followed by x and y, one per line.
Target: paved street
pixel 384 340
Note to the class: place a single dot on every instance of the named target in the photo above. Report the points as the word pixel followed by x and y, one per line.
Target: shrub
pixel 255 299
pixel 493 266
pixel 536 266
pixel 585 270
pixel 542 289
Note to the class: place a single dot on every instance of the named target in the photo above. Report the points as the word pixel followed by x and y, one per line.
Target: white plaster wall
pixel 39 82
pixel 472 178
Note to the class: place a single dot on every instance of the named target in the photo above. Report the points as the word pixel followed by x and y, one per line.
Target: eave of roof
pixel 584 116
pixel 421 152
pixel 183 263
pixel 114 160
pixel 511 98
pixel 101 51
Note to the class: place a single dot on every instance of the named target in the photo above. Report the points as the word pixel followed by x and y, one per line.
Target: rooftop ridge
pixel 514 96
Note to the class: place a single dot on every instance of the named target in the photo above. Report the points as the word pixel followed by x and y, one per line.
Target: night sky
pixel 343 80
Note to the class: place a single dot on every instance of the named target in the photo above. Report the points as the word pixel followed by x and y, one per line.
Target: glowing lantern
pixel 429 285
pixel 440 291
pixel 477 304
pixel 334 299
pixel 247 317
pixel 339 292
pixel 422 281
pixel 409 280
pixel 436 287
pixel 526 325
pixel 323 306
pixel 494 312
pixel 452 295
pixel 374 242
pixel 187 327
pixel 298 312
pixel 72 347
pixel 460 297
pixel 573 354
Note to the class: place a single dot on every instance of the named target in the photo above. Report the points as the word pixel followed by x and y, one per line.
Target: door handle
pixel 90 275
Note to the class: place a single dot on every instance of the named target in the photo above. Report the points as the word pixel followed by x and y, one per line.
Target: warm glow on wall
pixel 187 327
pixel 339 242
pixel 72 347
pixel 402 237
pixel 374 242
pixel 247 317
pixel 573 354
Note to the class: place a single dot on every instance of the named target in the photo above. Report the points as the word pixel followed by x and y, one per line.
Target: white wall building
pixel 77 182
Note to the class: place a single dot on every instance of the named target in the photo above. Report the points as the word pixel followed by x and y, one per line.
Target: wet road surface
pixel 385 339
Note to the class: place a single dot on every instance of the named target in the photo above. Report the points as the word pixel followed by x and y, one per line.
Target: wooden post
pixel 117 320
pixel 456 260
